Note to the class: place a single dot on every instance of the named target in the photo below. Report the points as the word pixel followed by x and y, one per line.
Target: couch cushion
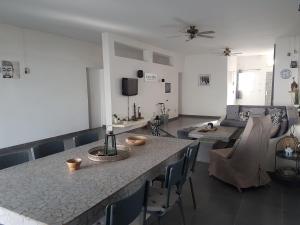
pixel 233 123
pixel 257 112
pixel 232 112
pixel 277 115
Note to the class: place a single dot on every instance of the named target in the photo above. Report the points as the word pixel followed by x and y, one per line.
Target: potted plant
pixel 164 117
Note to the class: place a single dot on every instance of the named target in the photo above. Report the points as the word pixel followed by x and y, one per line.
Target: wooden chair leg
pixel 192 191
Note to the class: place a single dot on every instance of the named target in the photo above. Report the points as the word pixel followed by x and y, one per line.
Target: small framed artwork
pixel 204 80
pixel 167 87
pixel 10 69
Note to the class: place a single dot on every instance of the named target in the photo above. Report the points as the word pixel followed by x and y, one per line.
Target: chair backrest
pixel 175 176
pixel 86 138
pixel 46 149
pixel 253 147
pixel 13 159
pixel 192 154
pixel 125 211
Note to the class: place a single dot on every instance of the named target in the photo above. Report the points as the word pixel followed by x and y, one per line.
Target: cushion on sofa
pixel 232 112
pixel 277 115
pixel 257 112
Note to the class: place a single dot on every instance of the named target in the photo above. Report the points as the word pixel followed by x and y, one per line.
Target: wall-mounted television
pixel 129 86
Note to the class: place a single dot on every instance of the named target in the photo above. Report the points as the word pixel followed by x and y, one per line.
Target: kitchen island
pixel 44 192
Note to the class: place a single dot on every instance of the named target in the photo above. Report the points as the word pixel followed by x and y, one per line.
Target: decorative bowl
pixel 136 140
pixel 97 154
pixel 74 164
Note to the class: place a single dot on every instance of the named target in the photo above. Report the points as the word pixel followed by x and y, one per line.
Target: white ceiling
pixel 250 26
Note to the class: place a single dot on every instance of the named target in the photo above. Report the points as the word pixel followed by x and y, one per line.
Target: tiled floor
pixel 222 204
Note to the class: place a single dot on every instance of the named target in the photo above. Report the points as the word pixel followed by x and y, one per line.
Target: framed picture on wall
pixel 167 87
pixel 204 80
pixel 10 69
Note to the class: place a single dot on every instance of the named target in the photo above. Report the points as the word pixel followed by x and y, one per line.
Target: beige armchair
pixel 244 165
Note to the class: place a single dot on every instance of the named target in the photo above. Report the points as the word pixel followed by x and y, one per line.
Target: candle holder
pixel 110 145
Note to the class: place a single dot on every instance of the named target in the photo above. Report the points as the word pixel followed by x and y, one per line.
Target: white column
pixel 108 51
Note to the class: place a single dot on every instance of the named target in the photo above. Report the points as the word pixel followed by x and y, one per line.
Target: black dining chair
pixel 13 159
pixel 127 210
pixel 192 154
pixel 161 200
pixel 86 138
pixel 47 149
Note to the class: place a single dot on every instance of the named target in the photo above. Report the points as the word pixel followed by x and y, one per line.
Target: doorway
pixel 254 87
pixel 96 104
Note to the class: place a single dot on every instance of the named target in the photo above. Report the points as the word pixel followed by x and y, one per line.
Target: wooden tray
pixel 205 130
pixel 136 140
pixel 96 154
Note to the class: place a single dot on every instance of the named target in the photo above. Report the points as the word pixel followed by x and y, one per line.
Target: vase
pixel 164 118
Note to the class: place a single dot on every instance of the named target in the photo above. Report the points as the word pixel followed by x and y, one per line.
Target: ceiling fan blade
pixel 174 36
pixel 171 26
pixel 179 20
pixel 205 36
pixel 207 32
pixel 236 53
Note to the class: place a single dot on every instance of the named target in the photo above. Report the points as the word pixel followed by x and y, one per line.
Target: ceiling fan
pixel 192 31
pixel 228 52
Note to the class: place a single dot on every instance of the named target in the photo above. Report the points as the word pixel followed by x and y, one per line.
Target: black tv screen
pixel 129 86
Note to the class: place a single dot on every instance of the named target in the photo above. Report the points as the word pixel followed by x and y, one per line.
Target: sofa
pixel 283 117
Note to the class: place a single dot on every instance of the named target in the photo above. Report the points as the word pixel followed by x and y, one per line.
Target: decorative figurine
pixel 295 89
pixel 288 151
pixel 294 85
pixel 210 125
pixel 139 113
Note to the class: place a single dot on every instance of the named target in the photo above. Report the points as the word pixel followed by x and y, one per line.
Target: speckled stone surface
pixel 44 191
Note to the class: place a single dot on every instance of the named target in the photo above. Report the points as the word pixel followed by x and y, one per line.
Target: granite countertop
pixel 43 191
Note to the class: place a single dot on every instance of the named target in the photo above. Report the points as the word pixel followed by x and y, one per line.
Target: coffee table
pixel 222 133
pixel 210 138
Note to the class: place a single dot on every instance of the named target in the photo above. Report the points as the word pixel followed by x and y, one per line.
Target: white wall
pixel 204 100
pixel 149 93
pixel 52 99
pixel 282 61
